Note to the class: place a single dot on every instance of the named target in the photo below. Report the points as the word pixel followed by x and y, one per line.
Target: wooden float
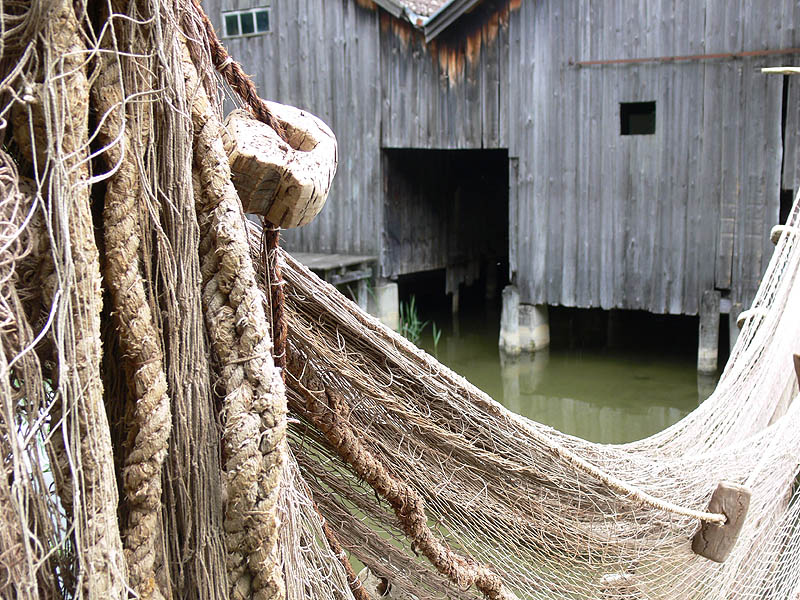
pixel 285 181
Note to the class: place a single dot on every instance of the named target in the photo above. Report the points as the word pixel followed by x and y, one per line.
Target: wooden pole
pixel 708 337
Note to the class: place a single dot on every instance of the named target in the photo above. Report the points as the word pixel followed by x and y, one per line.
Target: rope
pixel 271 242
pixel 615 484
pixel 629 491
pixel 243 85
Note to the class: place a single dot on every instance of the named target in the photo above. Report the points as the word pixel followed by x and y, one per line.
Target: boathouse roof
pixel 429 16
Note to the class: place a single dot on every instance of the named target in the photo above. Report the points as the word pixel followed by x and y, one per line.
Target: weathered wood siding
pixel 450 93
pixel 596 219
pixel 324 56
pixel 649 221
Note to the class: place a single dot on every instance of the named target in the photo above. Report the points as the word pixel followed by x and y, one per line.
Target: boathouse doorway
pixel 447 210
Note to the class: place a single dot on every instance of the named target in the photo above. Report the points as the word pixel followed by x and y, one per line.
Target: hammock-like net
pixel 509 491
pixel 144 426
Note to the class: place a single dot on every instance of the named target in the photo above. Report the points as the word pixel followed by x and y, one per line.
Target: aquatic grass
pixel 411 326
pixel 437 334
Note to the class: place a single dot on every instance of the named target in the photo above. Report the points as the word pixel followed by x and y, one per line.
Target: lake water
pixel 600 395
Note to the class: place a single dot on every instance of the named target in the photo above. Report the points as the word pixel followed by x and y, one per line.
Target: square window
pixel 248 23
pixel 231 25
pixel 262 20
pixel 637 118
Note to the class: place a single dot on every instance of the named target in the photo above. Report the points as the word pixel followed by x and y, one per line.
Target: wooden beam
pixel 708 336
pixel 445 16
pixel 348 276
pixel 781 70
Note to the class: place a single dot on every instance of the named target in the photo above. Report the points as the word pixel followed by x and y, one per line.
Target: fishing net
pixel 554 515
pixel 151 448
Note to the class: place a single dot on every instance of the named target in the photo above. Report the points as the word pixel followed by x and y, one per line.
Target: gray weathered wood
pixel 708 336
pixel 327 262
pixel 667 202
pixel 596 219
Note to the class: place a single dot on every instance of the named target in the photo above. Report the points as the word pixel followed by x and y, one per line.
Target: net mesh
pixel 459 495
pixel 96 170
pixel 506 490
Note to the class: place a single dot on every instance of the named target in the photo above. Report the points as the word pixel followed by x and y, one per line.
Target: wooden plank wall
pixel 598 219
pixel 645 222
pixel 324 56
pixel 450 93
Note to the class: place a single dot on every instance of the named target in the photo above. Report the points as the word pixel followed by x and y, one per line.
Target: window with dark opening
pixel 637 118
pixel 252 21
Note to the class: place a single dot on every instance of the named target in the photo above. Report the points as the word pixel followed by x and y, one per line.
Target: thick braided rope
pixel 243 85
pixel 139 338
pixel 254 403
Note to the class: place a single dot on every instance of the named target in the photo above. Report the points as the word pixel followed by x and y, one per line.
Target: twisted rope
pixel 254 403
pixel 93 496
pixel 325 410
pixel 241 83
pixel 139 338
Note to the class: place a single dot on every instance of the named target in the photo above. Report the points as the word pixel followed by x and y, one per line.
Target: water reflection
pixel 603 396
pixel 598 396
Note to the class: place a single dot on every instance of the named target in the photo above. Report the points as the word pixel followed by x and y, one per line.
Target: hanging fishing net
pixel 187 412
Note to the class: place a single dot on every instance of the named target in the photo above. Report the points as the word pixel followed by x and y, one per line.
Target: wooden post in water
pixel 455 300
pixel 384 303
pixel 708 337
pixel 733 326
pixel 509 321
pixel 534 327
pixel 362 294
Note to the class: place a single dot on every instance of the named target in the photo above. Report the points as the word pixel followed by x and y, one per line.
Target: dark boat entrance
pixel 447 209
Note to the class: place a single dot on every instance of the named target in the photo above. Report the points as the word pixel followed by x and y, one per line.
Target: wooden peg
pixel 714 541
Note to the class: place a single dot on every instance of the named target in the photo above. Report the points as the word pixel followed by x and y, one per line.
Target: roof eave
pixel 393 8
pixel 445 16
pixel 436 23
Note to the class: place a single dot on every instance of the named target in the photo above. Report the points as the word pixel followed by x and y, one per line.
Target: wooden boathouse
pixel 625 154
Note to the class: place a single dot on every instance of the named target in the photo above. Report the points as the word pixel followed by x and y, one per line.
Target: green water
pixel 600 395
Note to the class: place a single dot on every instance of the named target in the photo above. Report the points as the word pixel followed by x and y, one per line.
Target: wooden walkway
pixel 342 269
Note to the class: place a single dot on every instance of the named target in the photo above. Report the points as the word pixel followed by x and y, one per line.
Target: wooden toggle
pixel 285 182
pixel 796 360
pixel 714 541
pixel 777 231
pixel 748 314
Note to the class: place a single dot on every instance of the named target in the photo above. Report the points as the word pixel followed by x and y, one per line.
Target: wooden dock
pixel 342 269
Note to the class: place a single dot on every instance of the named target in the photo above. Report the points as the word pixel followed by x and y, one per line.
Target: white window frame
pixel 238 14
